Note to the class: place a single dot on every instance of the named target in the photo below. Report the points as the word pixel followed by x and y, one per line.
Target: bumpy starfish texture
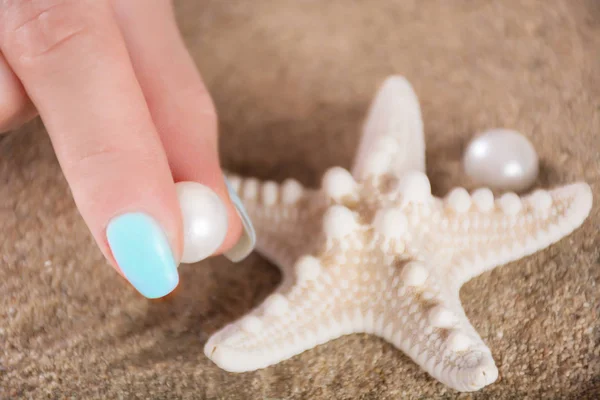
pixel 375 252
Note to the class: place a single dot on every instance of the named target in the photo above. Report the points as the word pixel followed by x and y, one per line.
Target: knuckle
pixel 36 28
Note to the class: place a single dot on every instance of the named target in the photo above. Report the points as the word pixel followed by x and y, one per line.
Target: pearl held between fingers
pixel 501 159
pixel 204 221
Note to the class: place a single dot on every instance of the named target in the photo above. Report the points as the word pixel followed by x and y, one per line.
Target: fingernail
pixel 247 241
pixel 204 221
pixel 143 253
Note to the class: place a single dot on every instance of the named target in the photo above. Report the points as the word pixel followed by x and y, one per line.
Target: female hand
pixel 128 115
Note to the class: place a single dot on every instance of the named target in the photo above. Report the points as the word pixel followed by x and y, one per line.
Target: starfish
pixel 374 251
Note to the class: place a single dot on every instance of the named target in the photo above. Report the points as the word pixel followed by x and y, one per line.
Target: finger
pixel 180 105
pixel 73 62
pixel 15 106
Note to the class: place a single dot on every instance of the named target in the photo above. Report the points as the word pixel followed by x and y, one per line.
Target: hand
pixel 128 115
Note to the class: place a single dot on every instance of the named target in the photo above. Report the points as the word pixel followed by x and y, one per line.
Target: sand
pixel 292 81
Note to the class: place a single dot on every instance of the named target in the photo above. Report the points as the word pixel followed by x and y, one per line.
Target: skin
pixel 117 91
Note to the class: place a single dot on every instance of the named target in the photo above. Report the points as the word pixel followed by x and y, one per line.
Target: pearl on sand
pixel 501 159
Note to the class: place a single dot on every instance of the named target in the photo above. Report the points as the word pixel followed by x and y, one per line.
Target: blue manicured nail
pixel 143 253
pixel 246 243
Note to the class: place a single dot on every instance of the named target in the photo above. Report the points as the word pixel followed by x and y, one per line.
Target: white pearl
pixel 204 221
pixel 501 159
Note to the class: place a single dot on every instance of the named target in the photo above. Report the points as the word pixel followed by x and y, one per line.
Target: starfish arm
pixel 392 138
pixel 491 233
pixel 286 324
pixel 425 319
pixel 281 216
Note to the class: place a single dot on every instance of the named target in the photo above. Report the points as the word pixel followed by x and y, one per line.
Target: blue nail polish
pixel 143 253
pixel 246 244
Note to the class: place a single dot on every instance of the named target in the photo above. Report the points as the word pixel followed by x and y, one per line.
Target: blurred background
pixel 292 81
